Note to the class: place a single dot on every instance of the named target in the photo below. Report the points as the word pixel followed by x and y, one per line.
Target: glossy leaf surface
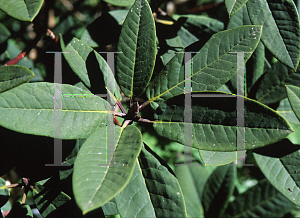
pixel 190 182
pixel 24 10
pixel 95 169
pixel 293 93
pixel 29 108
pixel 79 57
pixel 280 33
pixel 217 191
pixel 135 63
pixel 270 88
pixel 134 200
pixel 219 158
pixel 213 66
pixel 234 6
pixel 163 187
pixel 280 166
pixel 11 76
pixel 214 123
pixel 262 200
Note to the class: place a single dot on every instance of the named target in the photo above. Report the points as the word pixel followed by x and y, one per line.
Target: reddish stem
pixel 32 44
pixel 25 51
pixel 50 34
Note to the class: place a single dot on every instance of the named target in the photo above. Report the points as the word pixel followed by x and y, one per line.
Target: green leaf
pixel 80 55
pixel 134 200
pixel 190 180
pixel 286 111
pixel 13 50
pixel 162 186
pixel 11 76
pixel 213 66
pixel 279 163
pixel 257 62
pixel 110 208
pixel 240 18
pixel 29 108
pixel 214 123
pixel 4 33
pixel 218 188
pixel 270 88
pixel 262 200
pixel 234 6
pixel 20 210
pixel 281 34
pixel 47 200
pixel 99 176
pixel 122 3
pixel 25 10
pixel 213 158
pixel 4 192
pixel 293 94
pixel 134 66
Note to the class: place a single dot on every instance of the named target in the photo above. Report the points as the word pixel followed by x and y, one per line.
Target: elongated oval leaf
pixel 213 66
pixel 191 178
pixel 29 108
pixel 281 34
pixel 80 55
pixel 134 200
pixel 159 190
pixel 280 165
pixel 293 94
pixel 20 9
pixel 234 6
pixel 98 175
pixel 11 76
pixel 270 88
pixel 135 63
pixel 214 121
pixel 218 188
pixel 262 200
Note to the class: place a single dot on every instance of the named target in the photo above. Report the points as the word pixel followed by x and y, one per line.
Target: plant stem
pixel 25 51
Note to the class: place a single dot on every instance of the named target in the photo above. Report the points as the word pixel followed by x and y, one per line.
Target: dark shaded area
pixel 220 111
pixel 18 211
pixel 96 76
pixel 278 149
pixel 29 154
pixel 104 30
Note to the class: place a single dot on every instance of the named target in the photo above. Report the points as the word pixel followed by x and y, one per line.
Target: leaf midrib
pixel 154 98
pixel 97 189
